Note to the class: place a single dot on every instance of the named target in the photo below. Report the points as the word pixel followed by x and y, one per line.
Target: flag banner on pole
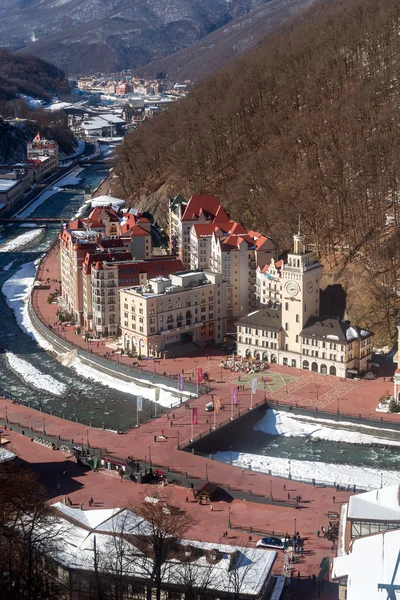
pixel 139 403
pixel 254 382
pixel 234 395
pixel 157 394
pixel 217 404
pixel 195 411
pixel 180 383
pixel 199 374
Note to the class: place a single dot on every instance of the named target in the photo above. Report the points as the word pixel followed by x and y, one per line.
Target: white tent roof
pixel 116 203
pixel 378 505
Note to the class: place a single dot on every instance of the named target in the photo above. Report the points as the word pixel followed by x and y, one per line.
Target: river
pixel 26 370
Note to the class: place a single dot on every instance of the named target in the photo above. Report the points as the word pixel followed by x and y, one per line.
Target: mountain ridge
pixel 81 36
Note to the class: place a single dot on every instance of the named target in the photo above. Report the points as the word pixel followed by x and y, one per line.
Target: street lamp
pixel 87 438
pixel 317 388
pixel 150 457
pixel 178 441
pixel 295 528
pixel 206 472
pixel 265 391
pixel 229 517
pixel 286 382
pixel 6 414
pixel 44 428
pixel 270 488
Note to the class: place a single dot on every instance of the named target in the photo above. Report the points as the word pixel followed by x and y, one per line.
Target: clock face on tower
pixel 292 288
pixel 310 288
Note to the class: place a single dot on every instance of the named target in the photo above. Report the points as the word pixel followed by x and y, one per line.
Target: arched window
pixel 324 369
pixel 306 365
pixel 332 370
pixel 265 356
pixel 273 358
pixel 248 353
pixel 314 367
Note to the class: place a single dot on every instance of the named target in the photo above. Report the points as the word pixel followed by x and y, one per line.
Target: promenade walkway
pixel 284 385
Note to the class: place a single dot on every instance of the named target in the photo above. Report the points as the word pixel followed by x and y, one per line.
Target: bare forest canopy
pixel 307 123
pixel 26 74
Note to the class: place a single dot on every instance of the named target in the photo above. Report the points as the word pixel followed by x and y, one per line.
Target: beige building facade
pixel 185 307
pixel 295 335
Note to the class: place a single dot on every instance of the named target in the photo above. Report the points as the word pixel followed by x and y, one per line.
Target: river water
pixel 60 388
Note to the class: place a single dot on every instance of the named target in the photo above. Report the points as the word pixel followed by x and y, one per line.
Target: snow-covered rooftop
pixel 372 562
pixel 7 184
pixel 235 564
pixel 378 505
pixel 6 455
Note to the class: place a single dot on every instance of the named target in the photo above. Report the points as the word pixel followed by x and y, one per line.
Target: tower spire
pixel 299 224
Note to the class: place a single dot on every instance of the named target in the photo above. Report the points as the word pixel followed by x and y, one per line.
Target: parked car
pixel 209 407
pixel 270 542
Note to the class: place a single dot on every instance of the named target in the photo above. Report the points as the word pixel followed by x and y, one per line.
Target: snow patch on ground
pixel 34 377
pixel 70 359
pixel 304 470
pixel 292 425
pixel 17 291
pixel 22 240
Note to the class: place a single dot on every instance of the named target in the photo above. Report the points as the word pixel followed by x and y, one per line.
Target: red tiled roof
pixel 99 212
pixel 278 265
pixel 204 204
pixel 136 231
pixel 76 224
pixel 128 272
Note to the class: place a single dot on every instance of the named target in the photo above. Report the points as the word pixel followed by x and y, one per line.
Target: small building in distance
pixel 42 157
pixel 11 190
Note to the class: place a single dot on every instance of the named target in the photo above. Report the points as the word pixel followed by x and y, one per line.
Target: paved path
pixel 81 484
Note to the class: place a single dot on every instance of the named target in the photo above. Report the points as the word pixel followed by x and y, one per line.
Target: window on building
pixel 287 326
pixel 297 318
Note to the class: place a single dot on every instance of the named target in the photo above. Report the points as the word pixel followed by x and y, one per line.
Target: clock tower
pixel 300 292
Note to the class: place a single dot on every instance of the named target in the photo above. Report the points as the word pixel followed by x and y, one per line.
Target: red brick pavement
pixel 80 484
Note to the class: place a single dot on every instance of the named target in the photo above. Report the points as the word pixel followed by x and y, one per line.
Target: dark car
pixel 270 542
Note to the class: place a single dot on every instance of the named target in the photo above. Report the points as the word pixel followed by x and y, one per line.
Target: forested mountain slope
pixel 29 75
pixel 307 123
